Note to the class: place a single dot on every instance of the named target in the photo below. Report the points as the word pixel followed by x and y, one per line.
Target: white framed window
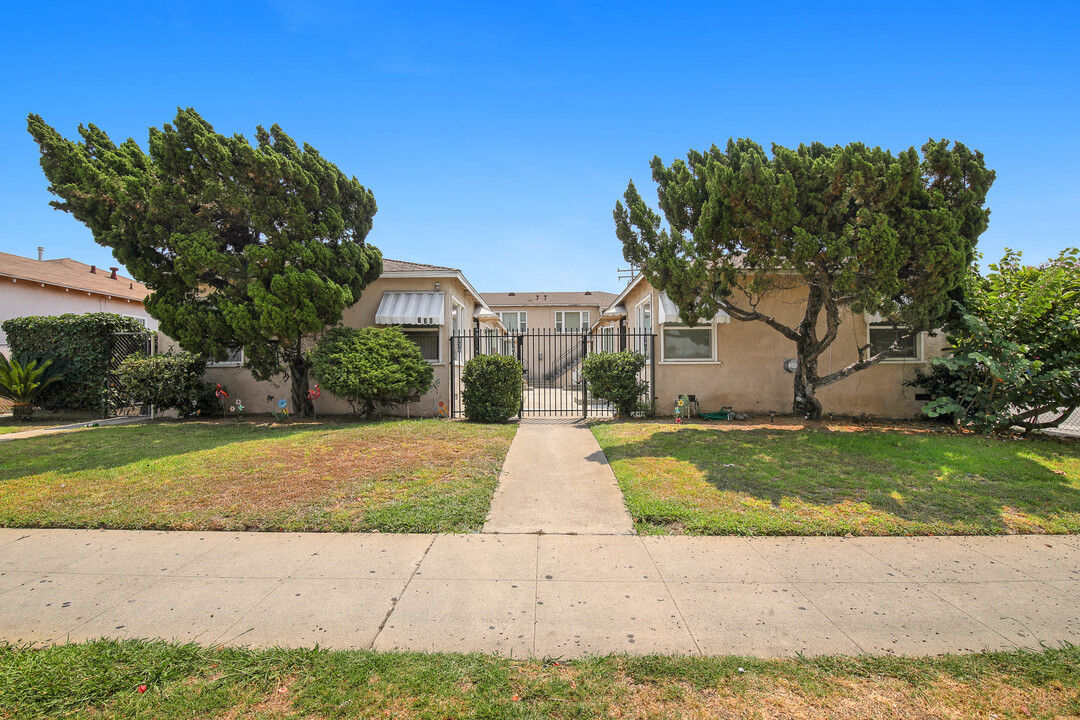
pixel 235 359
pixel 880 336
pixel 515 321
pixel 425 339
pixel 607 338
pixel 643 317
pixel 136 318
pixel 571 321
pixel 686 344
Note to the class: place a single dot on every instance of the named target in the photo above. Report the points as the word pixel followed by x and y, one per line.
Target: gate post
pixel 519 342
pixel 652 369
pixel 584 385
pixel 452 378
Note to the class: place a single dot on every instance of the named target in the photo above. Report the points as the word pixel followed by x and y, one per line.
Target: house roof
pixel 400 266
pixel 594 298
pixel 72 274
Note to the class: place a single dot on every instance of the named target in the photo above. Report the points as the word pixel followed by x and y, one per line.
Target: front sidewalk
pixel 543 595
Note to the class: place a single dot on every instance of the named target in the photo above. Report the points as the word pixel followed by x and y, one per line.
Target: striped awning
pixel 411 308
pixel 669 313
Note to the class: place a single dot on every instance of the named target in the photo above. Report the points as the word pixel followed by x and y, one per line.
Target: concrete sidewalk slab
pixel 332 612
pixel 185 609
pixel 544 595
pixel 766 618
pixel 74 427
pixel 557 480
pixel 900 618
pixel 598 618
pixel 436 615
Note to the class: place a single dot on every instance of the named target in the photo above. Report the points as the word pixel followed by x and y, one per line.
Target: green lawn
pixel 695 478
pixel 395 476
pixel 102 679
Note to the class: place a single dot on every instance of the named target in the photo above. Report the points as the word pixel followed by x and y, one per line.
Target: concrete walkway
pixel 36 432
pixel 543 595
pixel 557 480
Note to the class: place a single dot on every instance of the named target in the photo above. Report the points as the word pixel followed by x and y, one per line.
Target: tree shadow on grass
pixel 960 483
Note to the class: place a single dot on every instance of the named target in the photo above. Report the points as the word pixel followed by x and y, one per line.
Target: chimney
pixel 113 273
pixel 93 269
pixel 40 253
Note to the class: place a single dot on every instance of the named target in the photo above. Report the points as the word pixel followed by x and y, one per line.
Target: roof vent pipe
pixel 93 269
pixel 40 253
pixel 113 273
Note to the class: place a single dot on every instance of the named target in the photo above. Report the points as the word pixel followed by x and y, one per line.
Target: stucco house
pixel 57 287
pixel 746 365
pixel 428 302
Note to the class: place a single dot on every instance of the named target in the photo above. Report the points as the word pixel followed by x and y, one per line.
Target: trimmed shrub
pixel 613 376
pixel 492 388
pixel 79 347
pixel 374 368
pixel 170 381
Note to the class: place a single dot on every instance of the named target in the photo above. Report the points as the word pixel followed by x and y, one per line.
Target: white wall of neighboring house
pixel 21 298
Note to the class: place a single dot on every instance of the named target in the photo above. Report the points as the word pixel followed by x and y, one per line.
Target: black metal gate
pixel 551 383
pixel 123 345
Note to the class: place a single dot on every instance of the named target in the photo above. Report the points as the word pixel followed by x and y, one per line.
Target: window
pixel 426 340
pixel 235 359
pixel 644 327
pixel 607 339
pixel 515 322
pixel 683 343
pixel 881 336
pixel 136 318
pixel 572 321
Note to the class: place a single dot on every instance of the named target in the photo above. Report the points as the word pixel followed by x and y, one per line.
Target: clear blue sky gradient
pixel 498 136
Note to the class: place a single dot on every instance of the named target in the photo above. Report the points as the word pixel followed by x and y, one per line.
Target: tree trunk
pixel 805 405
pixel 298 371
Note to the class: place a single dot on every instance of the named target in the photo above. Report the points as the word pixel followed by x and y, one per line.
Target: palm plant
pixel 21 382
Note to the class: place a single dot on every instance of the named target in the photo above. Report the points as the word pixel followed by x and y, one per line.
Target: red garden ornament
pixel 312 395
pixel 220 393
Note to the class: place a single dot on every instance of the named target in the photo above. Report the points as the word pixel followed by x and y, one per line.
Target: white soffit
pixel 411 308
pixel 669 313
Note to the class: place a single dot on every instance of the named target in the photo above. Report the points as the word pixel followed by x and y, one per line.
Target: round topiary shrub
pixel 613 376
pixel 373 368
pixel 168 381
pixel 492 388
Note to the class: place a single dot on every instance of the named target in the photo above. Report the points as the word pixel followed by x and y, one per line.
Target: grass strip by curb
pixel 127 679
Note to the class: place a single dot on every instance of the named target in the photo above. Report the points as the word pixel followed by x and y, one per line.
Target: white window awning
pixel 669 313
pixel 411 308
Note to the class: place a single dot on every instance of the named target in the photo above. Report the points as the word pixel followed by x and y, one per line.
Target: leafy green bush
pixel 169 381
pixel 492 388
pixel 1016 348
pixel 79 347
pixel 22 380
pixel 371 367
pixel 613 376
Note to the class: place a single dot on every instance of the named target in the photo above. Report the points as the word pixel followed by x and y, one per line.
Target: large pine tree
pixel 253 247
pixel 861 230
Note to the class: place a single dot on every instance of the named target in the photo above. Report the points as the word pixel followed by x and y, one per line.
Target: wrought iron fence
pixel 551 385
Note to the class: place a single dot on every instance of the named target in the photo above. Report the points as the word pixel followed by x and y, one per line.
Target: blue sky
pixel 498 136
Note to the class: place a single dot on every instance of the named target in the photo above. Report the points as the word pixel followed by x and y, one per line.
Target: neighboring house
pixel 429 303
pixel 746 365
pixel 552 312
pixel 57 287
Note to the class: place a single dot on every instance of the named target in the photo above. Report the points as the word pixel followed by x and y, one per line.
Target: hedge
pixel 79 345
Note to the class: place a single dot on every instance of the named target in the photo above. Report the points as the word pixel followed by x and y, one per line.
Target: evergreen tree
pixel 254 247
pixel 860 229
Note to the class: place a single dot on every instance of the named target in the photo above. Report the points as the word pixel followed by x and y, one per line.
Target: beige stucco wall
pixel 746 371
pixel 240 383
pixel 21 298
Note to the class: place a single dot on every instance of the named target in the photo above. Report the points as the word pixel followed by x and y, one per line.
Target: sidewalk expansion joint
pixel 401 594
